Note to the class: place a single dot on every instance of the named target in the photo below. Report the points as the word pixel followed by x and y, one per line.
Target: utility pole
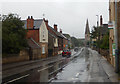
pixel 116 41
pixel 98 33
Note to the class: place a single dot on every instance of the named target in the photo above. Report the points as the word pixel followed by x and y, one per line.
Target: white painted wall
pixel 56 42
pixel 43 33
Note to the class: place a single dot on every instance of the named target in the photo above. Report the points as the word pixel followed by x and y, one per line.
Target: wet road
pixel 86 67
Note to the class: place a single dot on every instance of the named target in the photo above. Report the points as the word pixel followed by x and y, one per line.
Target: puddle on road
pixel 81 70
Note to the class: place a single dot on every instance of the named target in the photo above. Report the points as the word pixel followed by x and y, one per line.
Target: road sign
pixel 113 49
pixel 64 45
pixel 111 25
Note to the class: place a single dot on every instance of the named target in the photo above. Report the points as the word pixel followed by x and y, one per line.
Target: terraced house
pixel 44 40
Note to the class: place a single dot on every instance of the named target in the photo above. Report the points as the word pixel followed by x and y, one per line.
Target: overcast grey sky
pixel 69 15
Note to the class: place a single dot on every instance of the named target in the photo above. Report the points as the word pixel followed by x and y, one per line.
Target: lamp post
pixel 98 33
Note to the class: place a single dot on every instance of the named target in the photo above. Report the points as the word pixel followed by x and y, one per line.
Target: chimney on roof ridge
pixel 101 20
pixel 60 30
pixel 30 22
pixel 28 17
pixel 55 27
pixel 31 17
pixel 44 19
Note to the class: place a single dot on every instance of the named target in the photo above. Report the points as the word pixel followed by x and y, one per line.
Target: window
pixel 43 33
pixel 43 49
pixel 43 39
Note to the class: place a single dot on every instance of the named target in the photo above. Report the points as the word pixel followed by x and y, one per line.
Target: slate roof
pixel 33 44
pixel 57 33
pixel 51 34
pixel 37 23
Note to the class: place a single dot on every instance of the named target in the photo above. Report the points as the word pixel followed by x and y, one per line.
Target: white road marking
pixel 44 68
pixel 77 75
pixel 17 79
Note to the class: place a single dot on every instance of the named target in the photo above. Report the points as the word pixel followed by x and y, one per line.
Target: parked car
pixel 66 53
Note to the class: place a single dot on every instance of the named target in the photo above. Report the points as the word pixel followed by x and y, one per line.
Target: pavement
pixel 102 68
pixel 110 71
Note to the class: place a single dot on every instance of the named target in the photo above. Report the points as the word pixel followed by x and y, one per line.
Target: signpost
pixel 111 25
pixel 113 49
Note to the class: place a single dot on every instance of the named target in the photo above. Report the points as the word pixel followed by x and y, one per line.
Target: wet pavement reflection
pixel 75 71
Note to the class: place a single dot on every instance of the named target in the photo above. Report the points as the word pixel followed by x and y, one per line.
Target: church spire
pixel 87 31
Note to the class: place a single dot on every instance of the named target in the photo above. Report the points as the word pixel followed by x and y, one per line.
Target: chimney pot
pixel 55 27
pixel 44 19
pixel 101 20
pixel 30 22
pixel 28 17
pixel 60 30
pixel 31 17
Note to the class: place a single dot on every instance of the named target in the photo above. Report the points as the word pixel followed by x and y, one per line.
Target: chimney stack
pixel 55 27
pixel 44 19
pixel 28 17
pixel 101 20
pixel 30 22
pixel 60 30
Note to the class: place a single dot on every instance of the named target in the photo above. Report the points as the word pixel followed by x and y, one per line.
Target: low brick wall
pixel 22 56
pixel 36 54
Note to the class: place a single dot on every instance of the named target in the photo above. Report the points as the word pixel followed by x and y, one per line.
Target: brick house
pixel 52 41
pixel 69 40
pixel 58 39
pixel 65 41
pixel 37 30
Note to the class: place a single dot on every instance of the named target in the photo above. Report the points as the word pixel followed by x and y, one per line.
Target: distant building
pixel 87 34
pixel 69 40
